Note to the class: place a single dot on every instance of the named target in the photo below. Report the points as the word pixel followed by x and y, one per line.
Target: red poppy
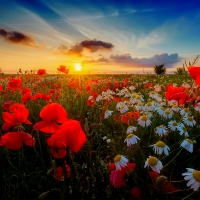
pixel 154 175
pixel 117 176
pixel 63 69
pixel 130 117
pixel 69 135
pixel 175 93
pixel 15 140
pixel 136 193
pixel 51 115
pixel 14 84
pixel 41 71
pixel 90 101
pixel 61 173
pixel 72 84
pixel 195 73
pixel 18 115
pixel 7 104
pixel 25 90
pixel 27 96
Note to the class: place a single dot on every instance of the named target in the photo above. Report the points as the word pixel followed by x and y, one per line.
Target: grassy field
pixel 128 136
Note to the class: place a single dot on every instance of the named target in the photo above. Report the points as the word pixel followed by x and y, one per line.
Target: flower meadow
pixel 100 136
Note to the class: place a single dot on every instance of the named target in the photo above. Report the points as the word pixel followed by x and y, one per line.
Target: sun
pixel 78 67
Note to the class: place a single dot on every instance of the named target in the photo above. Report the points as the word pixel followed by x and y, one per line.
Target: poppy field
pixel 100 136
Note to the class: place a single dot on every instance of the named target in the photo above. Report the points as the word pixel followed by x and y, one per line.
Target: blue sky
pixel 105 36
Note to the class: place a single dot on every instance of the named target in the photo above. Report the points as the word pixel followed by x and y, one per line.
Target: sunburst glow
pixel 78 67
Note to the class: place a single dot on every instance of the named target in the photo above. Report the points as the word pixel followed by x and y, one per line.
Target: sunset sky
pixel 111 36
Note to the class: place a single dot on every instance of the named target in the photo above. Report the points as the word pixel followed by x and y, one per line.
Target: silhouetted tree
pixel 160 69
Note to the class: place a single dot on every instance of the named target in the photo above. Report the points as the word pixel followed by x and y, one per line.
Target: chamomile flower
pixel 173 125
pixel 154 163
pixel 149 106
pixel 167 113
pixel 161 130
pixel 197 107
pixel 107 114
pixel 160 110
pixel 186 85
pixel 132 87
pixel 176 108
pixel 153 94
pixel 185 112
pixel 140 106
pixel 189 120
pixel 188 144
pixel 138 98
pixel 130 129
pixel 158 97
pixel 131 139
pixel 182 130
pixel 120 161
pixel 122 107
pixel 193 176
pixel 144 121
pixel 99 97
pixel 157 87
pixel 159 147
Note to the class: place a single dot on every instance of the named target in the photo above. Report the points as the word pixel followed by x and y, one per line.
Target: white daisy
pixel 182 130
pixel 160 110
pixel 153 94
pixel 107 114
pixel 154 163
pixel 176 108
pixel 144 121
pixel 193 176
pixel 188 144
pixel 98 98
pixel 149 106
pixel 167 113
pixel 161 130
pixel 185 112
pixel 122 107
pixel 120 161
pixel 189 120
pixel 158 88
pixel 130 129
pixel 186 85
pixel 140 106
pixel 158 97
pixel 132 87
pixel 138 98
pixel 159 147
pixel 173 125
pixel 197 107
pixel 131 139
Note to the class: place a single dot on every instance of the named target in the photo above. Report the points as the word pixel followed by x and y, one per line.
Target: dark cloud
pixel 95 45
pixel 14 37
pixel 100 60
pixel 78 48
pixel 168 60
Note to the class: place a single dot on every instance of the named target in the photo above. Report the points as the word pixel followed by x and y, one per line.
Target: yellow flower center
pixel 133 95
pixel 152 92
pixel 190 118
pixel 160 144
pixel 144 118
pixel 149 104
pixel 190 141
pixel 122 106
pixel 140 104
pixel 160 126
pixel 174 124
pixel 138 97
pixel 162 108
pixel 152 161
pixel 184 129
pixel 186 110
pixel 175 106
pixel 167 111
pixel 196 175
pixel 117 158
pixel 159 95
pixel 130 135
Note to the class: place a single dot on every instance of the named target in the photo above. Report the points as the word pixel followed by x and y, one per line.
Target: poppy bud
pixel 161 180
pixel 43 195
pixel 93 154
pixel 50 171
